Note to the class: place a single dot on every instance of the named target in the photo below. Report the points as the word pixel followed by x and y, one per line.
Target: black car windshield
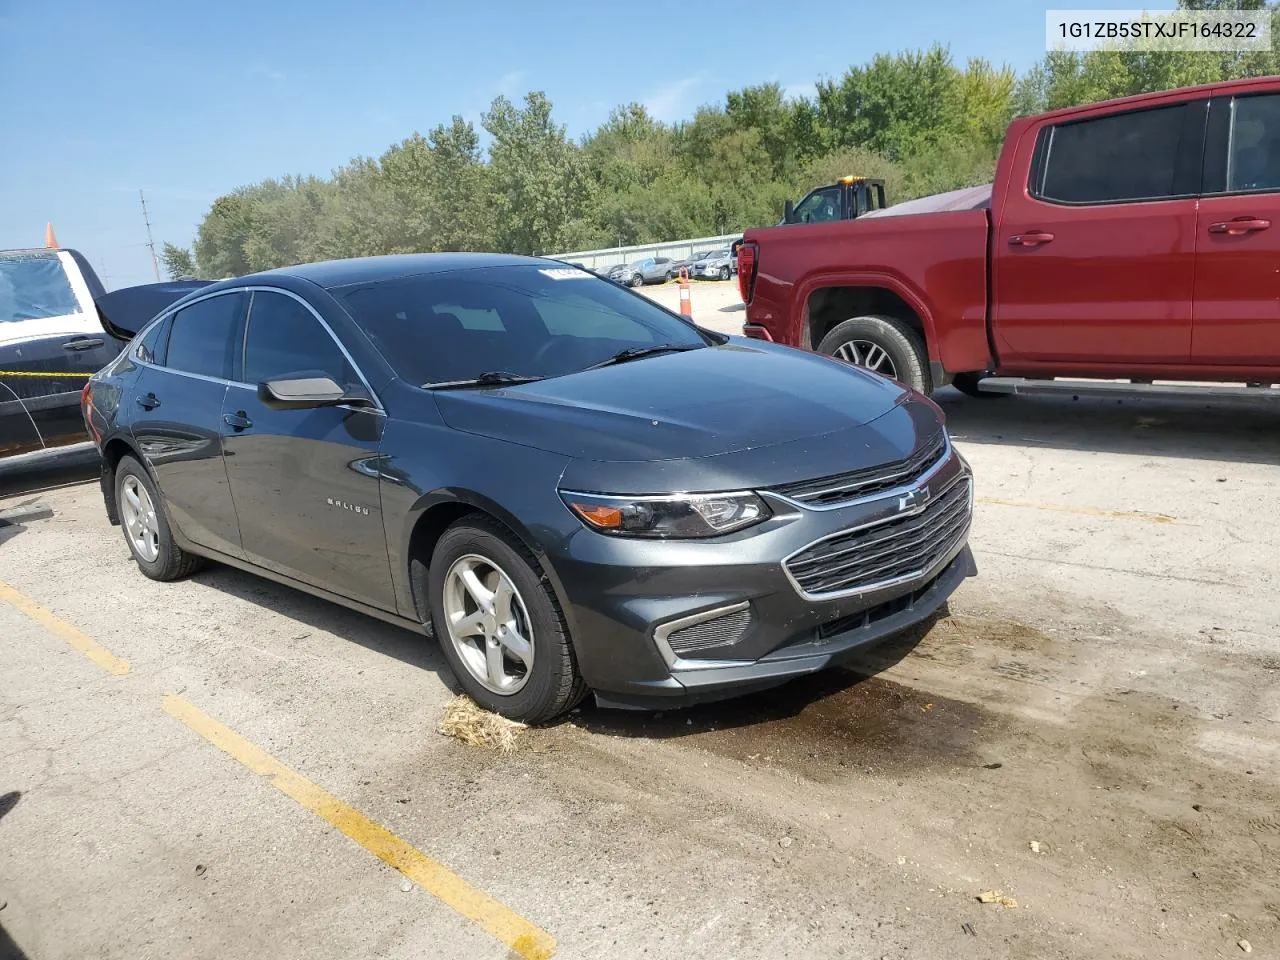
pixel 529 320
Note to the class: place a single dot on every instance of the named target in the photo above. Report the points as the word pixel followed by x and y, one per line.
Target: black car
pixel 579 489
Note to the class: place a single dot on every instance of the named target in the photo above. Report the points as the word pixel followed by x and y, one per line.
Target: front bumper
pixel 629 600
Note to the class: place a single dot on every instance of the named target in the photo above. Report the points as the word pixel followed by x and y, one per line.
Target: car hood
pixel 701 403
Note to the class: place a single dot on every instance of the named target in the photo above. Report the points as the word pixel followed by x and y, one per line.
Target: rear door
pixel 305 482
pixel 50 343
pixel 175 405
pixel 1093 260
pixel 1237 288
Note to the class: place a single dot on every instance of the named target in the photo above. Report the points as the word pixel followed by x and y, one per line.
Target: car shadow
pixel 15 518
pixel 9 950
pixel 351 625
pixel 852 678
pixel 734 308
pixel 1240 431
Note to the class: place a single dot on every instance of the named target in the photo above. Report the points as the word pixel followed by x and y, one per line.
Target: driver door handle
pixel 237 421
pixel 82 343
pixel 1033 239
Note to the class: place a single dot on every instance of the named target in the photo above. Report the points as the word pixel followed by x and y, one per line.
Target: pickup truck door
pixel 1093 258
pixel 1237 287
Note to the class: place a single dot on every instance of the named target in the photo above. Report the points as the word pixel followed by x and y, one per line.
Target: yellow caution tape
pixel 38 373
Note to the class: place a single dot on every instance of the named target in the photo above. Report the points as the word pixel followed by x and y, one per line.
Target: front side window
pixel 821 206
pixel 553 322
pixel 284 339
pixel 34 286
pixel 204 337
pixel 1253 152
pixel 1125 156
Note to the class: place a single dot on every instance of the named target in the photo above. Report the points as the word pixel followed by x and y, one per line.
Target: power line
pixel 151 244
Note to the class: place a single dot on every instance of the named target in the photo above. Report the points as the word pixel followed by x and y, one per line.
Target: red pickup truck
pixel 1131 239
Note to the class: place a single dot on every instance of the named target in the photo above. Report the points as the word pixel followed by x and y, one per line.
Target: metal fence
pixel 675 249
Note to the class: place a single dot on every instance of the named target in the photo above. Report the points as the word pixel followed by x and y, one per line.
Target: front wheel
pixel 724 273
pixel 637 280
pixel 883 345
pixel 499 625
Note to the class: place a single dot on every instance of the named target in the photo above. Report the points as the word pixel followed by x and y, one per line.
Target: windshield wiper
pixel 635 353
pixel 490 378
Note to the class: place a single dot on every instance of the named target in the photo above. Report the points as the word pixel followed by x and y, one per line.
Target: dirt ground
pixel 1093 729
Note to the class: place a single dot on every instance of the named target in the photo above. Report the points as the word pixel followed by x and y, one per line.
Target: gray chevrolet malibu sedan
pixel 573 488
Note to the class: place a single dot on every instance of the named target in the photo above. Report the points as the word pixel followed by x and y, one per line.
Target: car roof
pixel 341 273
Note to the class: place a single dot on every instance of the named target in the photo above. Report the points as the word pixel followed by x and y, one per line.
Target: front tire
pixel 499 624
pixel 724 273
pixel 883 345
pixel 146 526
pixel 636 281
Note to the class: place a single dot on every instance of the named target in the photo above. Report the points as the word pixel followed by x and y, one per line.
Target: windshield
pixel 527 320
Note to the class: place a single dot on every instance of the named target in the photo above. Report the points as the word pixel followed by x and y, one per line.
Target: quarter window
pixel 154 343
pixel 1124 156
pixel 204 336
pixel 284 338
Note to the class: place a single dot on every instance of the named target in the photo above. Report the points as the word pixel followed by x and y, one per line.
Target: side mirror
pixel 302 393
pixel 789 213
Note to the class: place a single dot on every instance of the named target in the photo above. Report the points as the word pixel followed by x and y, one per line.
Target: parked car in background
pixel 687 264
pixel 50 343
pixel 649 270
pixel 553 472
pixel 1133 239
pixel 716 265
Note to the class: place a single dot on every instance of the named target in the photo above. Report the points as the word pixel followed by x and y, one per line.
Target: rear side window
pixel 1125 156
pixel 204 337
pixel 33 287
pixel 154 344
pixel 285 338
pixel 1253 153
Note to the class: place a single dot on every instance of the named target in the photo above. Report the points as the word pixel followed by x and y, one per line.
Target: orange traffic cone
pixel 50 240
pixel 686 306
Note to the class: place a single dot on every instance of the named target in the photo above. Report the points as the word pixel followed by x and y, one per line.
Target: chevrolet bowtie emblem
pixel 914 498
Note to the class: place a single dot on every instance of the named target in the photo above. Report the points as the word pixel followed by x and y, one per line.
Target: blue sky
pixel 103 98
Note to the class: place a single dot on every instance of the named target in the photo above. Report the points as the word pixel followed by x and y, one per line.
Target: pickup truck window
pixel 1111 159
pixel 819 207
pixel 1253 152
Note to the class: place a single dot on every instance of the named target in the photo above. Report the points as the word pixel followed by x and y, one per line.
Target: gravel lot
pixel 1093 730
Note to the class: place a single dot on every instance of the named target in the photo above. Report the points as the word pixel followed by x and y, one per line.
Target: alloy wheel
pixel 139 515
pixel 864 353
pixel 488 624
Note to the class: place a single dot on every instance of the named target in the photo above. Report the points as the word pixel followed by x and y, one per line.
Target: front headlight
pixel 680 516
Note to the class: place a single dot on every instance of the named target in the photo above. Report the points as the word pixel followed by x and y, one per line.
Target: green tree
pixel 178 262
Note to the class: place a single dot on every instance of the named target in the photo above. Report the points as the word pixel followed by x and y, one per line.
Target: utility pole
pixel 151 244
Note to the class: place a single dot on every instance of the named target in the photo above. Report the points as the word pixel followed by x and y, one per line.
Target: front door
pixel 175 406
pixel 1093 260
pixel 1237 299
pixel 305 482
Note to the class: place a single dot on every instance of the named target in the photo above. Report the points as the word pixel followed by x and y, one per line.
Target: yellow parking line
pixel 1083 511
pixel 95 651
pixel 524 939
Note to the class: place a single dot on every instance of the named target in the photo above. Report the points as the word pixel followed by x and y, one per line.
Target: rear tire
pixel 967 383
pixel 146 526
pixel 540 690
pixel 884 345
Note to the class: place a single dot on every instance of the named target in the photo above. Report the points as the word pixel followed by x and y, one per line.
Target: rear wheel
pixel 146 527
pixel 499 625
pixel 883 345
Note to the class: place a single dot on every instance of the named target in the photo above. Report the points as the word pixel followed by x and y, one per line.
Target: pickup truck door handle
pixel 82 343
pixel 1239 226
pixel 237 421
pixel 1033 239
pixel 149 402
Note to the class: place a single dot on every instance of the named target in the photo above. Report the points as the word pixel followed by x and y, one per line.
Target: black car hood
pixel 701 403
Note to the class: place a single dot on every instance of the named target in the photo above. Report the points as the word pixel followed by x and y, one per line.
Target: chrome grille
pixel 720 632
pixel 898 550
pixel 842 487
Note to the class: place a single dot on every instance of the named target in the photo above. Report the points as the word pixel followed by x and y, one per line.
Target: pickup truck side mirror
pixel 302 393
pixel 789 213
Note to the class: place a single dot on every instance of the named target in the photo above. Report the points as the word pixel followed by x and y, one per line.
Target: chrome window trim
pixel 914 576
pixel 244 337
pixel 893 492
pixel 674 662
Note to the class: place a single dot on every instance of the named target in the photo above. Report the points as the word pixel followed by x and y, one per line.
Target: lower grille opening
pixel 725 631
pixel 879 612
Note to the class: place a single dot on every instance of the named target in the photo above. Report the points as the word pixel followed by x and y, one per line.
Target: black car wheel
pixel 499 625
pixel 636 280
pixel 883 345
pixel 146 528
pixel 724 273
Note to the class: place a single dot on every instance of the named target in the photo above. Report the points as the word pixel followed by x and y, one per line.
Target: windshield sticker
pixel 565 273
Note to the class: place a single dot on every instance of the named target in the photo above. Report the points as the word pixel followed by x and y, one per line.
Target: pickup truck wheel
pixel 967 383
pixel 883 345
